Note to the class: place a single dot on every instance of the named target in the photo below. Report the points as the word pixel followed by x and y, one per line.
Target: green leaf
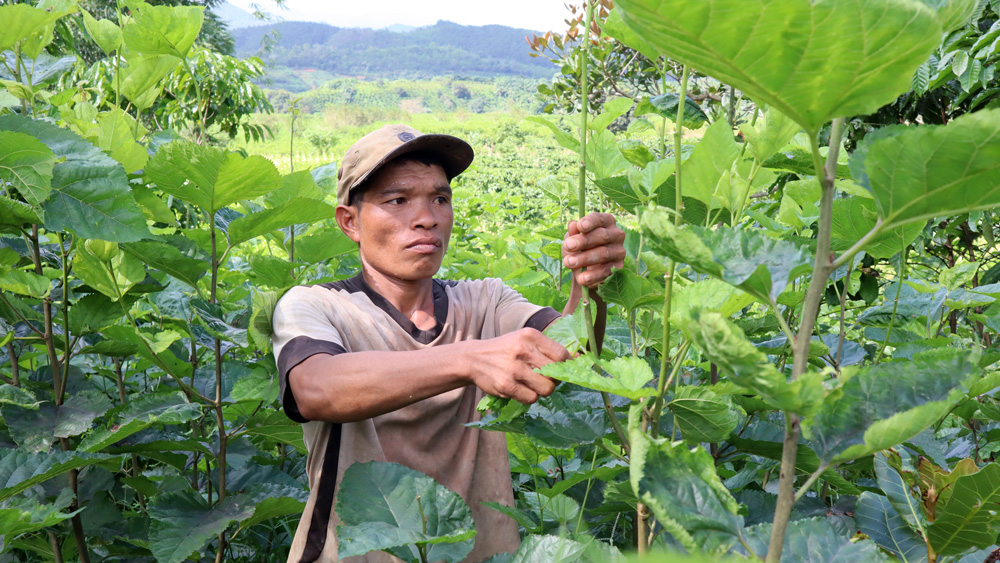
pixel 162 30
pixel 701 415
pixel 630 290
pixel 10 395
pixel 816 540
pixel 25 515
pixel 953 14
pixel 298 210
pixel 36 429
pixel 786 53
pixel 665 105
pixel 926 172
pixel 166 258
pixel 20 470
pixel 140 80
pixel 565 140
pixel 628 375
pixel 800 161
pixel 139 414
pixel 105 33
pixel 181 523
pixel 616 28
pixel 969 519
pixel 877 518
pixel 748 259
pixel 21 21
pixel 724 344
pixel 613 109
pixel 275 426
pixel 262 305
pixel 854 217
pixel 555 549
pixel 299 184
pixel 213 318
pixel 906 502
pixel 274 501
pixel 683 490
pixel 710 159
pixel 570 331
pixel 884 405
pixel 26 164
pixel 128 271
pixel 90 192
pixel 806 460
pixel 770 135
pixel 604 158
pixel 328 243
pixel 209 177
pixel 115 132
pixel 24 283
pixel 712 294
pixel 390 507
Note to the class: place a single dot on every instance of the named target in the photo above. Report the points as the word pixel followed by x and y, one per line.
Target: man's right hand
pixel 504 366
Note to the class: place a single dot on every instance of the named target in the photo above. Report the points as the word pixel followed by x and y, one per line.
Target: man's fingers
pixel 595 220
pixel 610 254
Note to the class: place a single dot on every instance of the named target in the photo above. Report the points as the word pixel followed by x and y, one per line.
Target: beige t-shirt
pixel 430 435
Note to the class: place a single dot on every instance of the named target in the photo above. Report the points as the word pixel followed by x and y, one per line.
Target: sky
pixel 537 15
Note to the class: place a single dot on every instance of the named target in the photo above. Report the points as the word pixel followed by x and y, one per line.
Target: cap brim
pixel 456 155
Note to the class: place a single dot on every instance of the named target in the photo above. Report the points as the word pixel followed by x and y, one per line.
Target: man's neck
pixel 415 299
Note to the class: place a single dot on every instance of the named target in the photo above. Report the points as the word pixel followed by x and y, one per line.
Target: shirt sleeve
pixel 301 329
pixel 514 312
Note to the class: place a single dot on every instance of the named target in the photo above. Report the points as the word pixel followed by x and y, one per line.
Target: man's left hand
pixel 596 243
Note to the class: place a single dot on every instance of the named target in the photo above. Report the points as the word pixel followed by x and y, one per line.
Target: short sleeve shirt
pixel 430 435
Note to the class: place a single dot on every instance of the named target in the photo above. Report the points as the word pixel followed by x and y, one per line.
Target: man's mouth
pixel 427 245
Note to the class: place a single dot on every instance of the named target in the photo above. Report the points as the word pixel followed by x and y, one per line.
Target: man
pixel 389 365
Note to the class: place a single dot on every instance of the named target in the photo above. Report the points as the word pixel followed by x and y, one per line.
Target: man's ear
pixel 347 220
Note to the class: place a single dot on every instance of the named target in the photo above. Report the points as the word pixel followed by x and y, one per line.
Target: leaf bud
pixel 104 251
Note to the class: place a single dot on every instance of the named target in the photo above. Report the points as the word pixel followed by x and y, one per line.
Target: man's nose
pixel 424 216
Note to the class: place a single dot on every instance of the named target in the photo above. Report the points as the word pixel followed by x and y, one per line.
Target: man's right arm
pixel 354 386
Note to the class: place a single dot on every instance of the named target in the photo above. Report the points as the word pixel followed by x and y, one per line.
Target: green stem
pixel 812 479
pixel 65 314
pixel 822 269
pixel 668 278
pixel 590 482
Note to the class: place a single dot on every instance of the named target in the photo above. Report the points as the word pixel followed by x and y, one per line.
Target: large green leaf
pixel 90 192
pixel 275 426
pixel 630 290
pixel 105 33
pixel 806 460
pixel 877 518
pixel 26 164
pixel 906 502
pixel 209 177
pixel 181 523
pixel 748 259
pixel 21 21
pixel 166 258
pixel 140 80
pixel 725 345
pixel 24 515
pixel 854 217
pixel 274 500
pixel 887 404
pixel 683 490
pixel 390 507
pixel 299 184
pixel 628 376
pixel 555 549
pixel 709 293
pixel 115 132
pixel 36 429
pixel 24 283
pixel 298 210
pixel 127 271
pixel 812 60
pixel 702 415
pixel 139 414
pixel 163 30
pixel 616 28
pixel 20 470
pixel 770 135
pixel 970 517
pixel 816 540
pixel 925 172
pixel 709 161
pixel 10 395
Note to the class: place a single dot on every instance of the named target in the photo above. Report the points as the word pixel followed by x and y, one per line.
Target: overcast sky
pixel 539 15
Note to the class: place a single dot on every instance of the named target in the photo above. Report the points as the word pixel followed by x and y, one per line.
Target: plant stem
pixel 668 278
pixel 812 479
pixel 822 269
pixel 15 369
pixel 895 303
pixel 590 482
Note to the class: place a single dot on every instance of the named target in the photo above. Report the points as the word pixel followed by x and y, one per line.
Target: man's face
pixel 404 221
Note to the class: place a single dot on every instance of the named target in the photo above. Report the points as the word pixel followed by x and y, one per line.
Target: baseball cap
pixel 377 148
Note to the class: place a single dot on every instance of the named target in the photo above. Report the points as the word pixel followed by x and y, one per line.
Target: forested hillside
pixel 441 49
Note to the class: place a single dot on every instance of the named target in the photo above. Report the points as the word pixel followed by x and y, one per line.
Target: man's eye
pixel 397 201
pixel 442 200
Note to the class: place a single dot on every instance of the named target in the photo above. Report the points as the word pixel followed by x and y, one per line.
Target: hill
pixel 442 49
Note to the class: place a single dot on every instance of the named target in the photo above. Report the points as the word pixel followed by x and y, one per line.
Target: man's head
pixel 395 199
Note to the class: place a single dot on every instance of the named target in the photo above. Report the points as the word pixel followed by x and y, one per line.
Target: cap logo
pixel 406 137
